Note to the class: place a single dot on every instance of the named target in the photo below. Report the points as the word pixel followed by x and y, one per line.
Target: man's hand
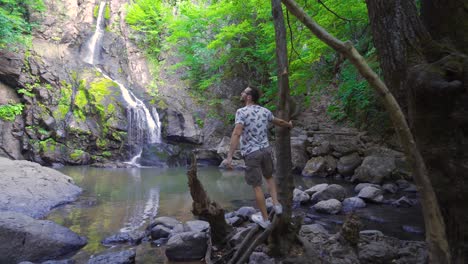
pixel 227 163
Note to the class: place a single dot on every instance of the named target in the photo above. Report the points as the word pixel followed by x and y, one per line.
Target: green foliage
pixel 9 111
pixel 147 18
pixel 107 12
pixel 199 122
pixel 15 24
pixel 77 153
pixel 96 11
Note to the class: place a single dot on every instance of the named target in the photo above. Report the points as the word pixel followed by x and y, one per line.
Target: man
pixel 251 131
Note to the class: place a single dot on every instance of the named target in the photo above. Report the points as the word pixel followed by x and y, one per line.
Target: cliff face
pixel 72 114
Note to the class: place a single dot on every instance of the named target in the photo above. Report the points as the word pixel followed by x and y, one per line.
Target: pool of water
pixel 125 199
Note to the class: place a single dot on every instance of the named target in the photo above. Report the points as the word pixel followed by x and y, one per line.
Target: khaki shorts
pixel 258 163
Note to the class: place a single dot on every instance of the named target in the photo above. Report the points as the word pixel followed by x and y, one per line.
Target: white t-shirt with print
pixel 255 133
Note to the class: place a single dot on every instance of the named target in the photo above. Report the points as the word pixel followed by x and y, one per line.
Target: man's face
pixel 245 94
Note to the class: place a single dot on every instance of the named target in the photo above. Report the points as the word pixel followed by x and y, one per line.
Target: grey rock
pixel 320 166
pixel 390 188
pixel 372 194
pixel 375 169
pixel 347 164
pixel 245 212
pixel 331 206
pixel 361 186
pixel 160 231
pixel 133 238
pixel 260 258
pixel 300 196
pixel 198 225
pixel 24 238
pixel 333 191
pixel 298 153
pixel 123 257
pixel 352 203
pixel 32 189
pixel 166 221
pixel 316 188
pixel 187 246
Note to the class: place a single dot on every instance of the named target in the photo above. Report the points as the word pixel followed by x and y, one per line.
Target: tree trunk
pixel 280 235
pixel 433 52
pixel 435 229
pixel 206 209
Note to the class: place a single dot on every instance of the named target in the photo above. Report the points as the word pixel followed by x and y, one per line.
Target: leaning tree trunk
pixel 281 234
pixel 435 230
pixel 431 51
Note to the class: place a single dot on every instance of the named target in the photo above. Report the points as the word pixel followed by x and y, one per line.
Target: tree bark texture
pixel 204 208
pixel 435 229
pixel 281 233
pixel 435 88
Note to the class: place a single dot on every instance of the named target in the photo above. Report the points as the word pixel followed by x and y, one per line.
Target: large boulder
pixel 182 128
pixel 320 166
pixel 333 191
pixel 347 164
pixel 375 169
pixel 32 189
pixel 122 257
pixel 187 246
pixel 298 153
pixel 23 238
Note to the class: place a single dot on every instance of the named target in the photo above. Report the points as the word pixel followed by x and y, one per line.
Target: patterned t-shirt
pixel 255 120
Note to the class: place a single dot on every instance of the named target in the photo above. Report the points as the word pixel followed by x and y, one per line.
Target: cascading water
pixel 142 126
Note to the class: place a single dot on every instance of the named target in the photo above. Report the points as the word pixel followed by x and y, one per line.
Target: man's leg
pixel 260 199
pixel 271 184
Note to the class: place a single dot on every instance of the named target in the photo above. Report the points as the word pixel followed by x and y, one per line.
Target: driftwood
pixel 206 209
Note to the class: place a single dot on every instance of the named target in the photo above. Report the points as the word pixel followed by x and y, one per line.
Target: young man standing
pixel 251 131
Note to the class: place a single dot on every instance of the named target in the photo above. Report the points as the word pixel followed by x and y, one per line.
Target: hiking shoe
pixel 278 209
pixel 257 218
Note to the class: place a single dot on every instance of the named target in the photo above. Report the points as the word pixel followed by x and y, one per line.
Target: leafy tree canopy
pixel 15 25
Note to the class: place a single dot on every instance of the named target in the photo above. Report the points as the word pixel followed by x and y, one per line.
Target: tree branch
pixel 333 12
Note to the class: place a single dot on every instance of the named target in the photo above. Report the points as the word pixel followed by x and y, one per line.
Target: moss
pixel 77 153
pixel 96 11
pixel 101 143
pixel 47 145
pixel 107 12
pixel 106 154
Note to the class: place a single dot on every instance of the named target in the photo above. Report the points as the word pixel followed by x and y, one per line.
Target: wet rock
pixel 320 166
pixel 166 221
pixel 187 246
pixel 375 169
pixel 333 191
pixel 198 225
pixel 361 186
pixel 347 164
pixel 402 184
pixel 24 238
pixel 411 188
pixel 235 221
pixel 260 258
pixel 300 196
pixel 160 231
pixel 331 206
pixel 316 188
pixel 133 237
pixel 403 202
pixel 390 188
pixel 245 212
pixel 372 194
pixel 123 257
pixel 413 229
pixel 352 203
pixel 298 153
pixel 207 157
pixel 32 189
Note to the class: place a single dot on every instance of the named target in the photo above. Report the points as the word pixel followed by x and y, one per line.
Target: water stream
pixel 143 127
pixel 116 200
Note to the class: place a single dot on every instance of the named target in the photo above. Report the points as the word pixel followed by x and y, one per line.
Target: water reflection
pixel 127 199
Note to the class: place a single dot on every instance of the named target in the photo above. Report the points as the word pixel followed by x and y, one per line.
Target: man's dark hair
pixel 255 93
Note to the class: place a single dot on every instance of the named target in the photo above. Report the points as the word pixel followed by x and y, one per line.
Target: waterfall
pixel 142 126
pixel 95 40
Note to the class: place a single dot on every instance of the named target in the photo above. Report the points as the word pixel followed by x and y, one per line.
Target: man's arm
pixel 282 123
pixel 235 138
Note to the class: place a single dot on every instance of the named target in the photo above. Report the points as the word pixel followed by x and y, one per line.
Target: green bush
pixel 9 112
